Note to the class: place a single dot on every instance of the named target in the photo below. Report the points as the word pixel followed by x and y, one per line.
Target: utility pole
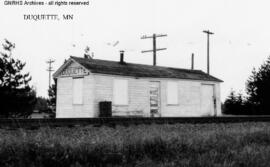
pixel 208 48
pixel 50 69
pixel 154 37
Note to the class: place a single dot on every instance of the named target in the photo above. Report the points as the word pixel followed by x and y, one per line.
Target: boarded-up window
pixel 172 92
pixel 120 92
pixel 77 90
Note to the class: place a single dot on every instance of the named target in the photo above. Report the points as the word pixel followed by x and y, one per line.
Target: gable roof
pixel 140 70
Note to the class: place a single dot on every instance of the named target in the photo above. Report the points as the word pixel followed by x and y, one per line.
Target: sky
pixel 240 42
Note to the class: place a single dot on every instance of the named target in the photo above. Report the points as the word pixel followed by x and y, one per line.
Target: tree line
pixel 257 98
pixel 17 98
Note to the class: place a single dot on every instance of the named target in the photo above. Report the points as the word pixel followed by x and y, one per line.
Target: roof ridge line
pixel 140 64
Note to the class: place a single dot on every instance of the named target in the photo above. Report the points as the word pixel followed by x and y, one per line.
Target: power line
pixel 154 50
pixel 50 69
pixel 208 48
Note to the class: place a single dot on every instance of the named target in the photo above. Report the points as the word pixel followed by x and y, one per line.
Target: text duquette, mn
pixel 47 17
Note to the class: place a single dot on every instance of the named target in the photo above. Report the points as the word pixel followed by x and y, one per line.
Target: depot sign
pixel 74 71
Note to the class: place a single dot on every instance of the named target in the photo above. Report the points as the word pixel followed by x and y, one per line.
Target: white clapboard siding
pixel 65 107
pixel 130 96
pixel 137 95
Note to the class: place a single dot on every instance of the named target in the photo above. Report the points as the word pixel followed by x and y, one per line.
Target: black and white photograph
pixel 145 83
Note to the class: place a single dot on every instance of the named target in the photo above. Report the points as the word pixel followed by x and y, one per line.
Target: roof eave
pixel 71 59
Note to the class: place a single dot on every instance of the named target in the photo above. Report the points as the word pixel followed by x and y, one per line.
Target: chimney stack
pixel 192 61
pixel 122 57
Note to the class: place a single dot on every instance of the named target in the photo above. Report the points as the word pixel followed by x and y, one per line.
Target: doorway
pixel 155 99
pixel 208 100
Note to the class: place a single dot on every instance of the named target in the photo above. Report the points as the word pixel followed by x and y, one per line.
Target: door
pixel 155 99
pixel 208 100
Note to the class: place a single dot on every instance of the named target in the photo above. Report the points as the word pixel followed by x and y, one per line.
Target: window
pixel 77 90
pixel 172 93
pixel 120 92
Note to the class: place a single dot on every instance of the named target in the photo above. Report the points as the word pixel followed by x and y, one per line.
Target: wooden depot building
pixel 133 90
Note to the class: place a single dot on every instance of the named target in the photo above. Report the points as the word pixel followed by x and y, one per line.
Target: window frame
pixel 169 102
pixel 116 102
pixel 73 97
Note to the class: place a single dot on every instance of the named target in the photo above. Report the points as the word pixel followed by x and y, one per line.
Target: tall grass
pixel 239 144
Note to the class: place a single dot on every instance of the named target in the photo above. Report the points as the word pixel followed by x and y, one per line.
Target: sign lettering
pixel 74 71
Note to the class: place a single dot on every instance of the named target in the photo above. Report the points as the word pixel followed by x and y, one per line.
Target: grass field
pixel 238 144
